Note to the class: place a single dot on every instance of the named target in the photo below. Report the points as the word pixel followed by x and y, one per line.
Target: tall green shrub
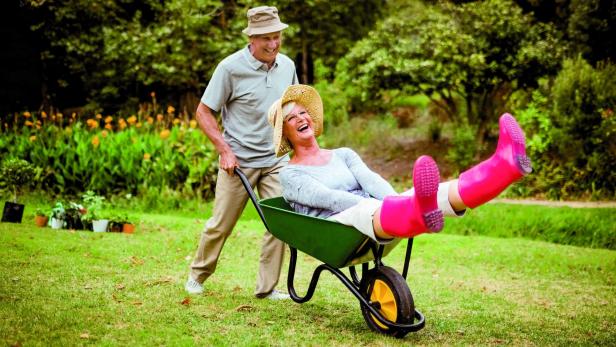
pixel 572 132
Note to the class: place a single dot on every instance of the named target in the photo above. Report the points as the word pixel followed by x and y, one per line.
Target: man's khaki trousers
pixel 229 202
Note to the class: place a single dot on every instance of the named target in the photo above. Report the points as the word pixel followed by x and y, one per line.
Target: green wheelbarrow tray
pixel 341 246
pixel 333 243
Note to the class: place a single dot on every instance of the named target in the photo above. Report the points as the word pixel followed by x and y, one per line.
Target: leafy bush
pixel 17 175
pixel 572 133
pixel 127 156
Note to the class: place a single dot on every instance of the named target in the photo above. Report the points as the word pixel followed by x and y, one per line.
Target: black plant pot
pixel 12 212
pixel 115 227
pixel 74 222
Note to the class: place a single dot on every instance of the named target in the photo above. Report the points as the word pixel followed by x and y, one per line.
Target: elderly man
pixel 242 88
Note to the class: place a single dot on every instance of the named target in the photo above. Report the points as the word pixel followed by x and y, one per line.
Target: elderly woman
pixel 336 184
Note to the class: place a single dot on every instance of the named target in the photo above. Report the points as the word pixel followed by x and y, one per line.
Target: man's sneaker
pixel 277 295
pixel 193 287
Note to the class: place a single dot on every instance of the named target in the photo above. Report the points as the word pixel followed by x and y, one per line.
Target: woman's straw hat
pixel 305 96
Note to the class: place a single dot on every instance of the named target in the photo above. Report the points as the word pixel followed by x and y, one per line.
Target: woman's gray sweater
pixel 322 191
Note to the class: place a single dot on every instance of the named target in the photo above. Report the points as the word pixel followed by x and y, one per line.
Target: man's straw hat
pixel 305 96
pixel 263 20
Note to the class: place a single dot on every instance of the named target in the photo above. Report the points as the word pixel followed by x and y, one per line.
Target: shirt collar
pixel 256 64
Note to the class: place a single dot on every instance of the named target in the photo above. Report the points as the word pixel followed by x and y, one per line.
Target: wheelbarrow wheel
pixel 388 292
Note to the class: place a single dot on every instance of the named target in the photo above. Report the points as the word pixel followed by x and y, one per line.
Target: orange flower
pixel 170 109
pixel 159 117
pixel 104 133
pixel 165 134
pixel 28 123
pixel 44 114
pixel 95 141
pixel 27 114
pixel 109 119
pixel 108 126
pixel 146 156
pixel 193 123
pixel 150 120
pixel 153 94
pixel 122 125
pixel 32 138
pixel 132 119
pixel 59 115
pixel 98 116
pixel 73 115
pixel 176 121
pixel 92 123
pixel 138 125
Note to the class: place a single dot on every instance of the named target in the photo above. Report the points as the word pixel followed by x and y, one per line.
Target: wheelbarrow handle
pixel 251 194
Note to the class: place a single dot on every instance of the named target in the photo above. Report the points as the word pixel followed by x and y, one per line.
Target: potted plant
pixel 57 216
pixel 94 206
pixel 115 223
pixel 127 226
pixel 16 175
pixel 40 218
pixel 73 217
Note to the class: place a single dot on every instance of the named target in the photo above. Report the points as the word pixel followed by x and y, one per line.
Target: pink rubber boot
pixel 409 216
pixel 486 180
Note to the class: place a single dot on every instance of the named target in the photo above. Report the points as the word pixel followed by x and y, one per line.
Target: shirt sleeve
pixel 301 188
pixel 295 79
pixel 370 181
pixel 218 90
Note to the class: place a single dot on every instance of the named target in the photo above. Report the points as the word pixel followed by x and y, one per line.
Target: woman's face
pixel 298 125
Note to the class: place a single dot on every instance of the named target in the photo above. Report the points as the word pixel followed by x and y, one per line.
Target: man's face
pixel 265 47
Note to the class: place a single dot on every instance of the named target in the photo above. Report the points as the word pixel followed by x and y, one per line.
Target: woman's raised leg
pixel 408 216
pixel 509 163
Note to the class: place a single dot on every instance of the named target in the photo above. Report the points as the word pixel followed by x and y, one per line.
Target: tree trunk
pixel 304 78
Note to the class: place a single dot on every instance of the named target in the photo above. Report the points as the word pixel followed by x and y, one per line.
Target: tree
pixel 325 30
pixel 467 58
pixel 118 50
pixel 115 52
pixel 176 52
pixel 589 25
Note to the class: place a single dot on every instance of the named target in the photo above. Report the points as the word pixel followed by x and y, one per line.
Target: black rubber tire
pixel 405 307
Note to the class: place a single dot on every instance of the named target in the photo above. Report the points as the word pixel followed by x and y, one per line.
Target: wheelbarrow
pixel 385 299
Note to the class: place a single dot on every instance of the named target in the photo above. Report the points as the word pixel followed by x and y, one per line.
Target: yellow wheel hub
pixel 383 294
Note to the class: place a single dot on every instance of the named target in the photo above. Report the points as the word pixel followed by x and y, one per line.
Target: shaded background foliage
pixel 548 61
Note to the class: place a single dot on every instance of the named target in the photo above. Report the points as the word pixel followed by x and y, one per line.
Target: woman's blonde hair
pixel 287 108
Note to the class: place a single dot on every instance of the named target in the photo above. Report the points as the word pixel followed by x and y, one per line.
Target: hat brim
pixel 306 96
pixel 265 30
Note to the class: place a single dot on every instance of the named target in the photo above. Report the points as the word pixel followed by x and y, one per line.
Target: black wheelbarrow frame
pixel 285 226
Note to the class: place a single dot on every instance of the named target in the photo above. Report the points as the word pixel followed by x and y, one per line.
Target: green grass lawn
pixel 72 288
